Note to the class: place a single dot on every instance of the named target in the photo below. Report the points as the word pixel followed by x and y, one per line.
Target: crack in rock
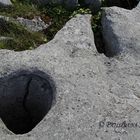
pixel 25 99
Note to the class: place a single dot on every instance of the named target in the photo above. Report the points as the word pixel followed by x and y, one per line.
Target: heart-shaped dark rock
pixel 25 98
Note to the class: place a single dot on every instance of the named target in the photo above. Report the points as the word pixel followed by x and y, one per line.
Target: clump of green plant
pixel 20 38
pixel 80 10
pixel 96 22
pixel 60 16
pixel 97 29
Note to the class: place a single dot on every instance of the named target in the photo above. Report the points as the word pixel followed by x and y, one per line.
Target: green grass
pixel 21 10
pixel 22 39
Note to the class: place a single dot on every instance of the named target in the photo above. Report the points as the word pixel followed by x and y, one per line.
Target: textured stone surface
pixel 36 24
pixel 90 87
pixel 121 30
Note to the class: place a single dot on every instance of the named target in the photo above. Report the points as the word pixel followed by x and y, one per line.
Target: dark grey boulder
pixel 25 98
pixel 68 3
pixel 94 5
pixel 113 2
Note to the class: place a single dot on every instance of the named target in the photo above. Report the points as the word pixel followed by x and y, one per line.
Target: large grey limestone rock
pixel 35 25
pixel 121 30
pixel 94 93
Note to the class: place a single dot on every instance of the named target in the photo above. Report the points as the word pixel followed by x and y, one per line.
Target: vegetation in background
pixel 21 10
pixel 20 38
pixel 23 39
pixel 56 14
pixel 60 16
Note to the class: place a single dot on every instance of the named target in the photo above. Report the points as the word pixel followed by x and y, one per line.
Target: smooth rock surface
pixel 92 90
pixel 5 3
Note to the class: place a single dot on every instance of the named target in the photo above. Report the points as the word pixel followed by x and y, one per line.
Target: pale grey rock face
pixel 121 30
pixel 70 3
pixel 5 3
pixel 90 87
pixel 35 25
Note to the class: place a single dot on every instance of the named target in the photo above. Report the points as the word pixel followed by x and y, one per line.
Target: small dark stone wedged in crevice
pixel 25 99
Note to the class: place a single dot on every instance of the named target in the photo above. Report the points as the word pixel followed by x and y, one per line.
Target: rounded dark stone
pixel 25 98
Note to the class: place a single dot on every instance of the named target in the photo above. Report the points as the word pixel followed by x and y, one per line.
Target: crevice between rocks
pixel 99 42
